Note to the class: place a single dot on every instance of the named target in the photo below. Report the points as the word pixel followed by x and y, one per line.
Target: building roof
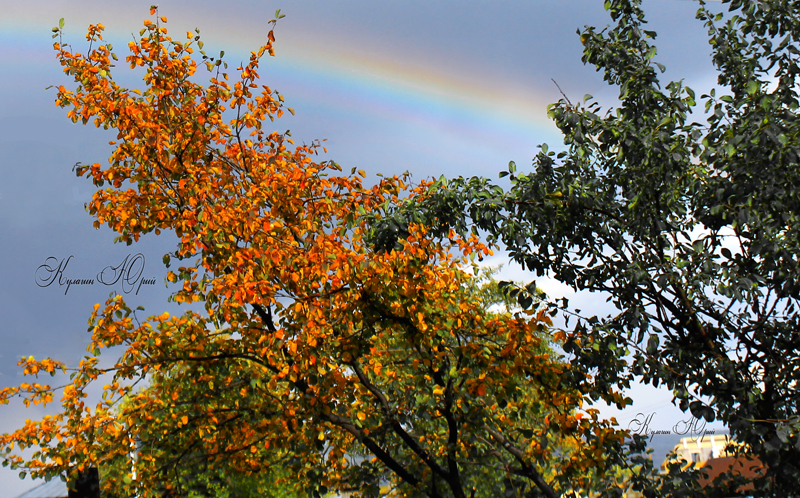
pixel 52 489
pixel 738 465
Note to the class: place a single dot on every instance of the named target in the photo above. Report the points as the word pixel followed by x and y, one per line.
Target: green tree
pixel 691 229
pixel 190 471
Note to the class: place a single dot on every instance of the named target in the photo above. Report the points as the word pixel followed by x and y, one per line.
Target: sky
pixel 431 87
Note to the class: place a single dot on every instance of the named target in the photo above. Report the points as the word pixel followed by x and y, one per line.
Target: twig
pixel 562 92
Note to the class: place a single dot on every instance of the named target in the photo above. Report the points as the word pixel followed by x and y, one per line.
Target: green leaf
pixel 61 23
pixel 783 432
pixel 652 344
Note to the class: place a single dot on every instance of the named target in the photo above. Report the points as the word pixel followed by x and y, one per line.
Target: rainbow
pixel 468 110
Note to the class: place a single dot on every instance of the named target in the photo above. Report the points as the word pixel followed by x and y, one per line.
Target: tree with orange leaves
pixel 357 369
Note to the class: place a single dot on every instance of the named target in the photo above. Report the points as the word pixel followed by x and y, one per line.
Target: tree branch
pixel 527 469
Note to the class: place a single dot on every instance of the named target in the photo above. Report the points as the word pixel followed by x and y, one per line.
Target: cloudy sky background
pixel 446 87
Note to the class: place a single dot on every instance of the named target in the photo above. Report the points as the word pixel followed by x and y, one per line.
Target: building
pixel 715 455
pixel 699 449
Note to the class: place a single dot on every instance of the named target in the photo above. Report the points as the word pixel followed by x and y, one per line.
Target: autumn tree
pixel 354 369
pixel 690 229
pixel 193 474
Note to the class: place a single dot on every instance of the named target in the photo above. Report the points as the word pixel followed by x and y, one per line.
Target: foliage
pixel 353 369
pixel 690 229
pixel 192 474
pixel 199 481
